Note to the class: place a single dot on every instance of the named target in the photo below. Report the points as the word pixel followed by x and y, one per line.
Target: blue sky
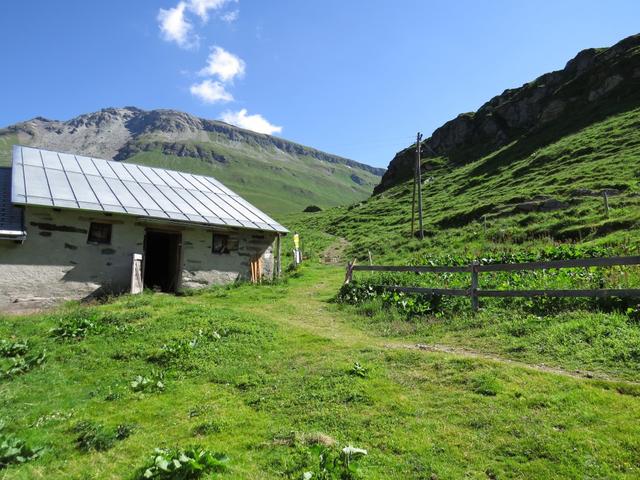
pixel 353 77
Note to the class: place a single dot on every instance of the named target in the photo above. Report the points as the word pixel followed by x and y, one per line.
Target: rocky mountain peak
pixel 119 133
pixel 164 121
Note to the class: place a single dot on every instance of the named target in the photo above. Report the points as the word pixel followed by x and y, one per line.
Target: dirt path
pixel 468 353
pixel 308 309
pixel 334 254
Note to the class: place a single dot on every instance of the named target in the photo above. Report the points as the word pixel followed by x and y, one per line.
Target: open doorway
pixel 162 260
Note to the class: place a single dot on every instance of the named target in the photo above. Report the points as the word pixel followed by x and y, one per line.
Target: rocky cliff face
pixel 594 84
pixel 119 133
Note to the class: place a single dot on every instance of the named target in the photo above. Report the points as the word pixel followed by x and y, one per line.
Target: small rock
pixel 582 192
pixel 552 204
pixel 527 206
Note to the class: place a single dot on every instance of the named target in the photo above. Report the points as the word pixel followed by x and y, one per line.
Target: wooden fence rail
pixel 474 291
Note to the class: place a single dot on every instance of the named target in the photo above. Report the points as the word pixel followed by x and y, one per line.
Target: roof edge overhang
pixel 154 220
pixel 13 235
pixel 204 226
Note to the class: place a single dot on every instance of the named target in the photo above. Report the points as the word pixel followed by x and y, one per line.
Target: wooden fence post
pixel 349 273
pixel 474 286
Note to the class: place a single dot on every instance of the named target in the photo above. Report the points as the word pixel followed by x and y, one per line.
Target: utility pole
pixel 413 201
pixel 419 180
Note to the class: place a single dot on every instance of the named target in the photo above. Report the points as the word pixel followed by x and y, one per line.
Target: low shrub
pixel 74 325
pixel 15 451
pixel 153 383
pixel 182 464
pixel 19 365
pixel 312 209
pixel 171 353
pixel 334 464
pixel 13 349
pixel 358 370
pixel 94 436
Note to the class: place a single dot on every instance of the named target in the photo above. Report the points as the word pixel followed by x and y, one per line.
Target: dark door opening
pixel 161 260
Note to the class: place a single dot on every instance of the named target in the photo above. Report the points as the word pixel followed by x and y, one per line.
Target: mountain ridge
pixel 280 175
pixel 596 83
pixel 140 122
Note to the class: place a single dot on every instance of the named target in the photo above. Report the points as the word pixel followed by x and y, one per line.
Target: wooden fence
pixel 474 291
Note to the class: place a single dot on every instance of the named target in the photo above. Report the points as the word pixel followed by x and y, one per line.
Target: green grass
pixel 472 209
pixel 597 341
pixel 7 141
pixel 271 360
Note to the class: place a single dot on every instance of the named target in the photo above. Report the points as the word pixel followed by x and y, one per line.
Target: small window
pixel 99 233
pixel 220 243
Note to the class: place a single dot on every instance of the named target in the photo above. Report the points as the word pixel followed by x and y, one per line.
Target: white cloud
pixel 210 92
pixel 256 122
pixel 202 7
pixel 225 65
pixel 175 27
pixel 230 17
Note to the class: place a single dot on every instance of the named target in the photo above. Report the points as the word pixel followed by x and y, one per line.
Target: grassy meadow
pixel 266 374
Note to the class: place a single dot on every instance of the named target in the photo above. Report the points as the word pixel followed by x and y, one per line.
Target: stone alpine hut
pixel 75 227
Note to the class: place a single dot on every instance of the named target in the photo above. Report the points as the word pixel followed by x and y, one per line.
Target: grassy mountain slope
pixel 274 185
pixel 527 170
pixel 510 199
pixel 279 176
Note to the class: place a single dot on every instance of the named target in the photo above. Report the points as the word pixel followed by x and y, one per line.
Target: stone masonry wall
pixel 55 262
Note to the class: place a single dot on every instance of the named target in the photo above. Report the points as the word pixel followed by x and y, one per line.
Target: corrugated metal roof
pixel 11 223
pixel 42 177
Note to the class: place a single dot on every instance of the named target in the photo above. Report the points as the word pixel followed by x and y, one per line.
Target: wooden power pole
pixel 413 203
pixel 419 182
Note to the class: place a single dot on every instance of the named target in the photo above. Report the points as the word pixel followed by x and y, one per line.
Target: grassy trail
pixel 311 313
pixel 282 372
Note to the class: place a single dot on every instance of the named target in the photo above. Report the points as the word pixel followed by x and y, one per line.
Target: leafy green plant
pixel 207 428
pixel 335 464
pixel 74 326
pixel 358 370
pixel 354 293
pixel 13 349
pixel 14 450
pixel 125 430
pixel 182 464
pixel 19 365
pixel 634 313
pixel 95 436
pixel 153 383
pixel 173 352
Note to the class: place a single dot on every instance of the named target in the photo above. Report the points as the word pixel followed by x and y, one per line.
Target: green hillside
pixel 277 185
pixel 507 200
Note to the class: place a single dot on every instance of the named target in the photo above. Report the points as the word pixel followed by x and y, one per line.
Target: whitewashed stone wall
pixel 55 262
